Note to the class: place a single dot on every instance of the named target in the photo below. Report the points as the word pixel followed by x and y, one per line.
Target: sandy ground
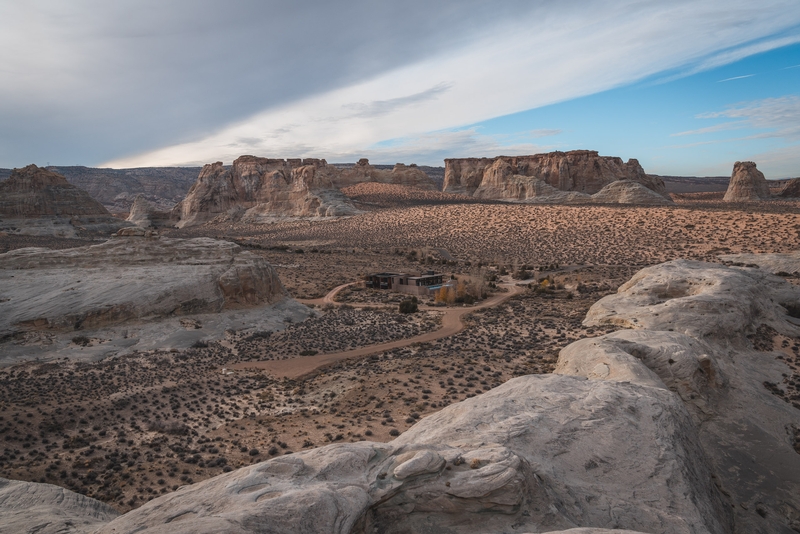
pixel 129 428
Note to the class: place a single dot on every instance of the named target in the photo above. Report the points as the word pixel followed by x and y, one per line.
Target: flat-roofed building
pixel 423 284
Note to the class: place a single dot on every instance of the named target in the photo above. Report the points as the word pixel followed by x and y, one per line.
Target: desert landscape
pixel 453 267
pixel 151 371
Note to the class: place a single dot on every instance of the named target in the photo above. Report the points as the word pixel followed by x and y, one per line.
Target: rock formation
pixel 257 188
pixel 582 171
pixel 28 507
pixel 792 189
pixel 787 263
pixel 630 192
pixel 36 201
pixel 664 426
pixel 747 184
pixel 144 214
pixel 401 174
pixel 525 189
pixel 128 278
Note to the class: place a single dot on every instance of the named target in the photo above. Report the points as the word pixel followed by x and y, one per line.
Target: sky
pixel 687 87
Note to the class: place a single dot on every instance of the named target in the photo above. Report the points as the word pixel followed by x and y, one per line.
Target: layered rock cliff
pixel 747 184
pixel 582 171
pixel 400 174
pixel 255 188
pixel 673 424
pixel 35 201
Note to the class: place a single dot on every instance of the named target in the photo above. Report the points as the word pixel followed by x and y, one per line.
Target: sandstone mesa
pixel 521 178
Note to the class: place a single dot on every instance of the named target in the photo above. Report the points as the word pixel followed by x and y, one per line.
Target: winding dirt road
pixel 301 366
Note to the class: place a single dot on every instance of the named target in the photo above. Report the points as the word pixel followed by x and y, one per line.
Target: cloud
pixel 146 82
pixel 736 78
pixel 780 116
pixel 725 126
pixel 376 108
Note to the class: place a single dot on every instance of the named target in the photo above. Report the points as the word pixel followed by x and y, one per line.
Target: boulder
pixel 31 508
pixel 581 171
pixel 129 278
pixel 256 189
pixel 747 184
pixel 36 201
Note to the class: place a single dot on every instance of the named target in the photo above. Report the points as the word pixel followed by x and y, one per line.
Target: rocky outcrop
pixel 791 189
pixel 689 327
pixel 535 191
pixel 145 215
pixel 400 174
pixel 581 171
pixel 664 426
pixel 747 184
pixel 36 201
pixel 542 453
pixel 630 192
pixel 776 263
pixel 31 508
pixel 255 188
pixel 128 278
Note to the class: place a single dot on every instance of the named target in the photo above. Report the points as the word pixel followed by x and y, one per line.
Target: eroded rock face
pixel 145 215
pixel 747 184
pixel 255 188
pixel 36 201
pixel 31 508
pixel 407 175
pixel 691 327
pixel 582 171
pixel 128 278
pixel 792 189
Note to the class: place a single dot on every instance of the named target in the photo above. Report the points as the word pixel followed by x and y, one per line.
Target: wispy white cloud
pixel 780 117
pixel 736 78
pixel 725 126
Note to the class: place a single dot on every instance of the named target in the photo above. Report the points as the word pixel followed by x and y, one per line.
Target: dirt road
pixel 303 365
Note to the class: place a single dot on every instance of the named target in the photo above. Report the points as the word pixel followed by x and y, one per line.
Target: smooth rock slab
pixel 31 508
pixel 539 453
pixel 128 278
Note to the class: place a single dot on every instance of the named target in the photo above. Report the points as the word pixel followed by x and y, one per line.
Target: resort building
pixel 423 285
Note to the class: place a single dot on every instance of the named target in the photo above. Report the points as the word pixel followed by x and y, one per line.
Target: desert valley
pixel 546 343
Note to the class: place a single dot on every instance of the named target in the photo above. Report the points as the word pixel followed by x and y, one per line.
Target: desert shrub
pixel 80 340
pixel 409 306
pixel 308 353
